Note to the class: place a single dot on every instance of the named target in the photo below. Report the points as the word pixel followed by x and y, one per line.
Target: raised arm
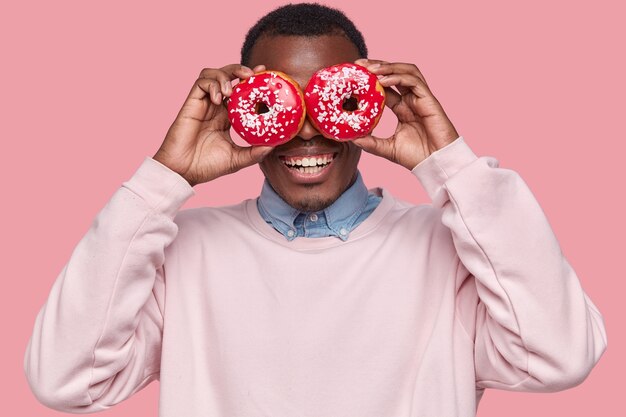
pixel 97 339
pixel 533 326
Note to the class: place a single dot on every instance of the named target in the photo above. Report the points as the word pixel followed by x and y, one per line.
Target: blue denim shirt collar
pixel 339 216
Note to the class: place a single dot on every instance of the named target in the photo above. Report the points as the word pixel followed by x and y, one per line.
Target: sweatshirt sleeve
pixel 534 328
pixel 97 338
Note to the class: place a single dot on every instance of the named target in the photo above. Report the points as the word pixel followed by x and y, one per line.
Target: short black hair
pixel 303 19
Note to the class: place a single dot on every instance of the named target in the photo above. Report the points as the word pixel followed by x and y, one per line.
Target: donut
pixel 344 101
pixel 267 108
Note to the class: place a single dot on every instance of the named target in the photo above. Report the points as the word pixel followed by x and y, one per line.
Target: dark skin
pixel 299 58
pixel 198 145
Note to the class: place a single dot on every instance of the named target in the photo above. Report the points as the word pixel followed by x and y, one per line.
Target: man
pixel 319 298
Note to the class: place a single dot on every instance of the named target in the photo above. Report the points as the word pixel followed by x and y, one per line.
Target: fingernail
pixel 375 66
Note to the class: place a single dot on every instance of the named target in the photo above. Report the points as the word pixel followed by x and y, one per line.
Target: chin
pixel 311 201
pixel 314 203
pixel 317 190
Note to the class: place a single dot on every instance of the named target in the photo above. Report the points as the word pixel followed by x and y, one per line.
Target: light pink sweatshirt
pixel 415 315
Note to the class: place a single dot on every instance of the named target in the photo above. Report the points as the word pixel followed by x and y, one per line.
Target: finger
pixel 382 68
pixel 229 73
pixel 366 62
pixel 234 71
pixel 205 87
pixel 419 98
pixel 371 64
pixel 392 97
pixel 410 83
pixel 225 75
pixel 225 85
pixel 214 91
pixel 375 145
pixel 397 68
pixel 255 70
pixel 226 82
pixel 245 156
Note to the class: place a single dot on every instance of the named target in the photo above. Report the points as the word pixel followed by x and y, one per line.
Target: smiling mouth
pixel 308 164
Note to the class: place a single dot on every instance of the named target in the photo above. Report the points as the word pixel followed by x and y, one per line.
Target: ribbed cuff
pixel 433 171
pixel 163 190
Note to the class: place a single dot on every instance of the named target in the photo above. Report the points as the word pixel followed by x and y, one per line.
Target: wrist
pixel 442 164
pixel 158 157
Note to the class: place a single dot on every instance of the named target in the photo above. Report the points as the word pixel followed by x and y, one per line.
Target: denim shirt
pixel 338 219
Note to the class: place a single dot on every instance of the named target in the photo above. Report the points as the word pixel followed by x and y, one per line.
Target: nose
pixel 308 131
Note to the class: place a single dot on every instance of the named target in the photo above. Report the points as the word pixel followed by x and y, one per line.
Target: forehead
pixel 299 56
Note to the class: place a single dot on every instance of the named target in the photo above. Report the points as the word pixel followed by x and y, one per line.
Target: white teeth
pixel 308 162
pixel 310 170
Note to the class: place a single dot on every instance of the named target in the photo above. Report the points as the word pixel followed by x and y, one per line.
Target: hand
pixel 198 145
pixel 423 126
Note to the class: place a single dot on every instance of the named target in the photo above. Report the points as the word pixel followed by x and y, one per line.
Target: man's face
pixel 299 57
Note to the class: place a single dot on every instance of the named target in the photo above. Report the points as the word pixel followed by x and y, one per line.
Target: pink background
pixel 90 88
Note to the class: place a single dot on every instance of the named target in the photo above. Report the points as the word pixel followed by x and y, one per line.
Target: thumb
pixel 251 155
pixel 372 144
pixel 258 153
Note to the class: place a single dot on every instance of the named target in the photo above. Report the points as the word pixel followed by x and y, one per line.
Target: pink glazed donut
pixel 344 102
pixel 267 108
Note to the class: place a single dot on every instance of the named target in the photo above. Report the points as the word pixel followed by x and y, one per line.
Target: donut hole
pixel 350 103
pixel 260 108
